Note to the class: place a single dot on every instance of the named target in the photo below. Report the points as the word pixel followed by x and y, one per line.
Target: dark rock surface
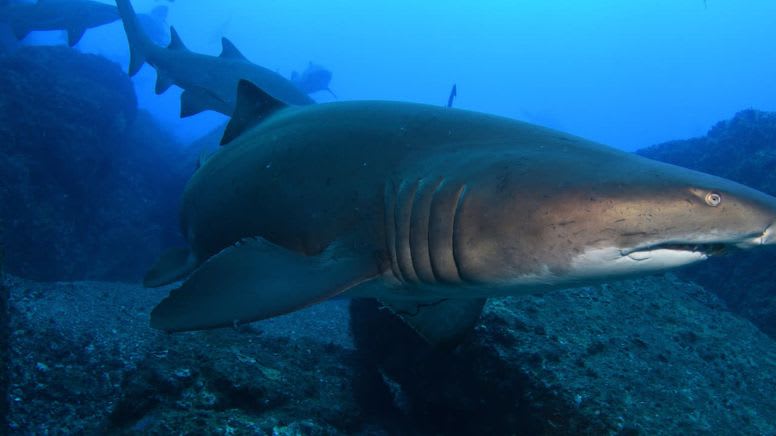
pixel 85 361
pixel 4 347
pixel 741 149
pixel 655 356
pixel 90 186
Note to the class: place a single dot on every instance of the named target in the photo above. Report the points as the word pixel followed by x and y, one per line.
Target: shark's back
pixel 309 174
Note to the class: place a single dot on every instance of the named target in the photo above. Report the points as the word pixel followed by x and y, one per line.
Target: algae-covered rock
pixel 741 149
pixel 90 186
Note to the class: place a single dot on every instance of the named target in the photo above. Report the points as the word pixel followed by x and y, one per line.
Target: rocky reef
pixel 4 346
pixel 741 149
pixel 90 186
pixel 653 356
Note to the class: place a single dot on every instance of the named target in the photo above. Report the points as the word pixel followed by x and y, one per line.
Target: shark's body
pixel 431 210
pixel 209 82
pixel 73 16
pixel 154 24
pixel 314 78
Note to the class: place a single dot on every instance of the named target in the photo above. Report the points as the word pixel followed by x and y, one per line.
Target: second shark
pixel 208 82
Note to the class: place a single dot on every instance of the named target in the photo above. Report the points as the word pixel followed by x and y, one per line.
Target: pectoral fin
pixel 256 279
pixel 442 322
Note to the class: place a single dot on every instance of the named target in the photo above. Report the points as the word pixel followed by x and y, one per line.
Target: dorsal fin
pixel 253 105
pixel 175 40
pixel 229 51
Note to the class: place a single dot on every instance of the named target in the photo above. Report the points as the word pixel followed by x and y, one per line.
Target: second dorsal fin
pixel 175 40
pixel 253 105
pixel 229 51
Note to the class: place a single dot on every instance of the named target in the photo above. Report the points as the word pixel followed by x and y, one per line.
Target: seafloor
pixel 89 191
pixel 653 356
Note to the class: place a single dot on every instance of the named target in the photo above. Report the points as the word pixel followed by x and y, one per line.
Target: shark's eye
pixel 713 199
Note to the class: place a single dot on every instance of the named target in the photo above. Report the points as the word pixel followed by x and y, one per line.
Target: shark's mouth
pixel 707 249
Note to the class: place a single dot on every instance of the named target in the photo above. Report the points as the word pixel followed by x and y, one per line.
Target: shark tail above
pixel 139 42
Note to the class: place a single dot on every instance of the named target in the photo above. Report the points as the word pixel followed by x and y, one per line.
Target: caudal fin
pixel 139 42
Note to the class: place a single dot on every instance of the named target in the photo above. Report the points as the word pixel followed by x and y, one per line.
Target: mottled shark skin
pixel 209 82
pixel 431 210
pixel 73 16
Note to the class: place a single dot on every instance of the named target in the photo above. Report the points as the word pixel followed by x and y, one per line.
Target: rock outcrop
pixel 90 186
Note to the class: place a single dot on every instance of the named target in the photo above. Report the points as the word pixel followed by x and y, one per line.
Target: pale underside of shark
pixel 430 209
pixel 208 82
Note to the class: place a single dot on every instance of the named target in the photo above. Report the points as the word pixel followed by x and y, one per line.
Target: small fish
pixel 453 94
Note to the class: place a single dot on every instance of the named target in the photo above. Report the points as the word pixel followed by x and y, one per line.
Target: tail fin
pixel 139 42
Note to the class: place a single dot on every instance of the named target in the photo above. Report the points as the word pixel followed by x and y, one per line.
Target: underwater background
pixel 93 164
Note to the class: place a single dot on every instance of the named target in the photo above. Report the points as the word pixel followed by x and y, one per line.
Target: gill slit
pixel 454 234
pixel 390 225
pixel 429 253
pixel 405 199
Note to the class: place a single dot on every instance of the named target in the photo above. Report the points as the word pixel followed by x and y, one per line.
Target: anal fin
pixel 441 322
pixel 255 279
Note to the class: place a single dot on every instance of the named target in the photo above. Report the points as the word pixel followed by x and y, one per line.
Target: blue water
pixel 628 74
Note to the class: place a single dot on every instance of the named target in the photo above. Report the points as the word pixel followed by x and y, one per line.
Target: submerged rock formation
pixel 89 184
pixel 650 356
pixel 741 149
pixel 654 356
pixel 4 344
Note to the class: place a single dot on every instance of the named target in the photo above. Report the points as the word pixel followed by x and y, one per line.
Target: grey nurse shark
pixel 209 82
pixel 73 16
pixel 314 78
pixel 431 210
